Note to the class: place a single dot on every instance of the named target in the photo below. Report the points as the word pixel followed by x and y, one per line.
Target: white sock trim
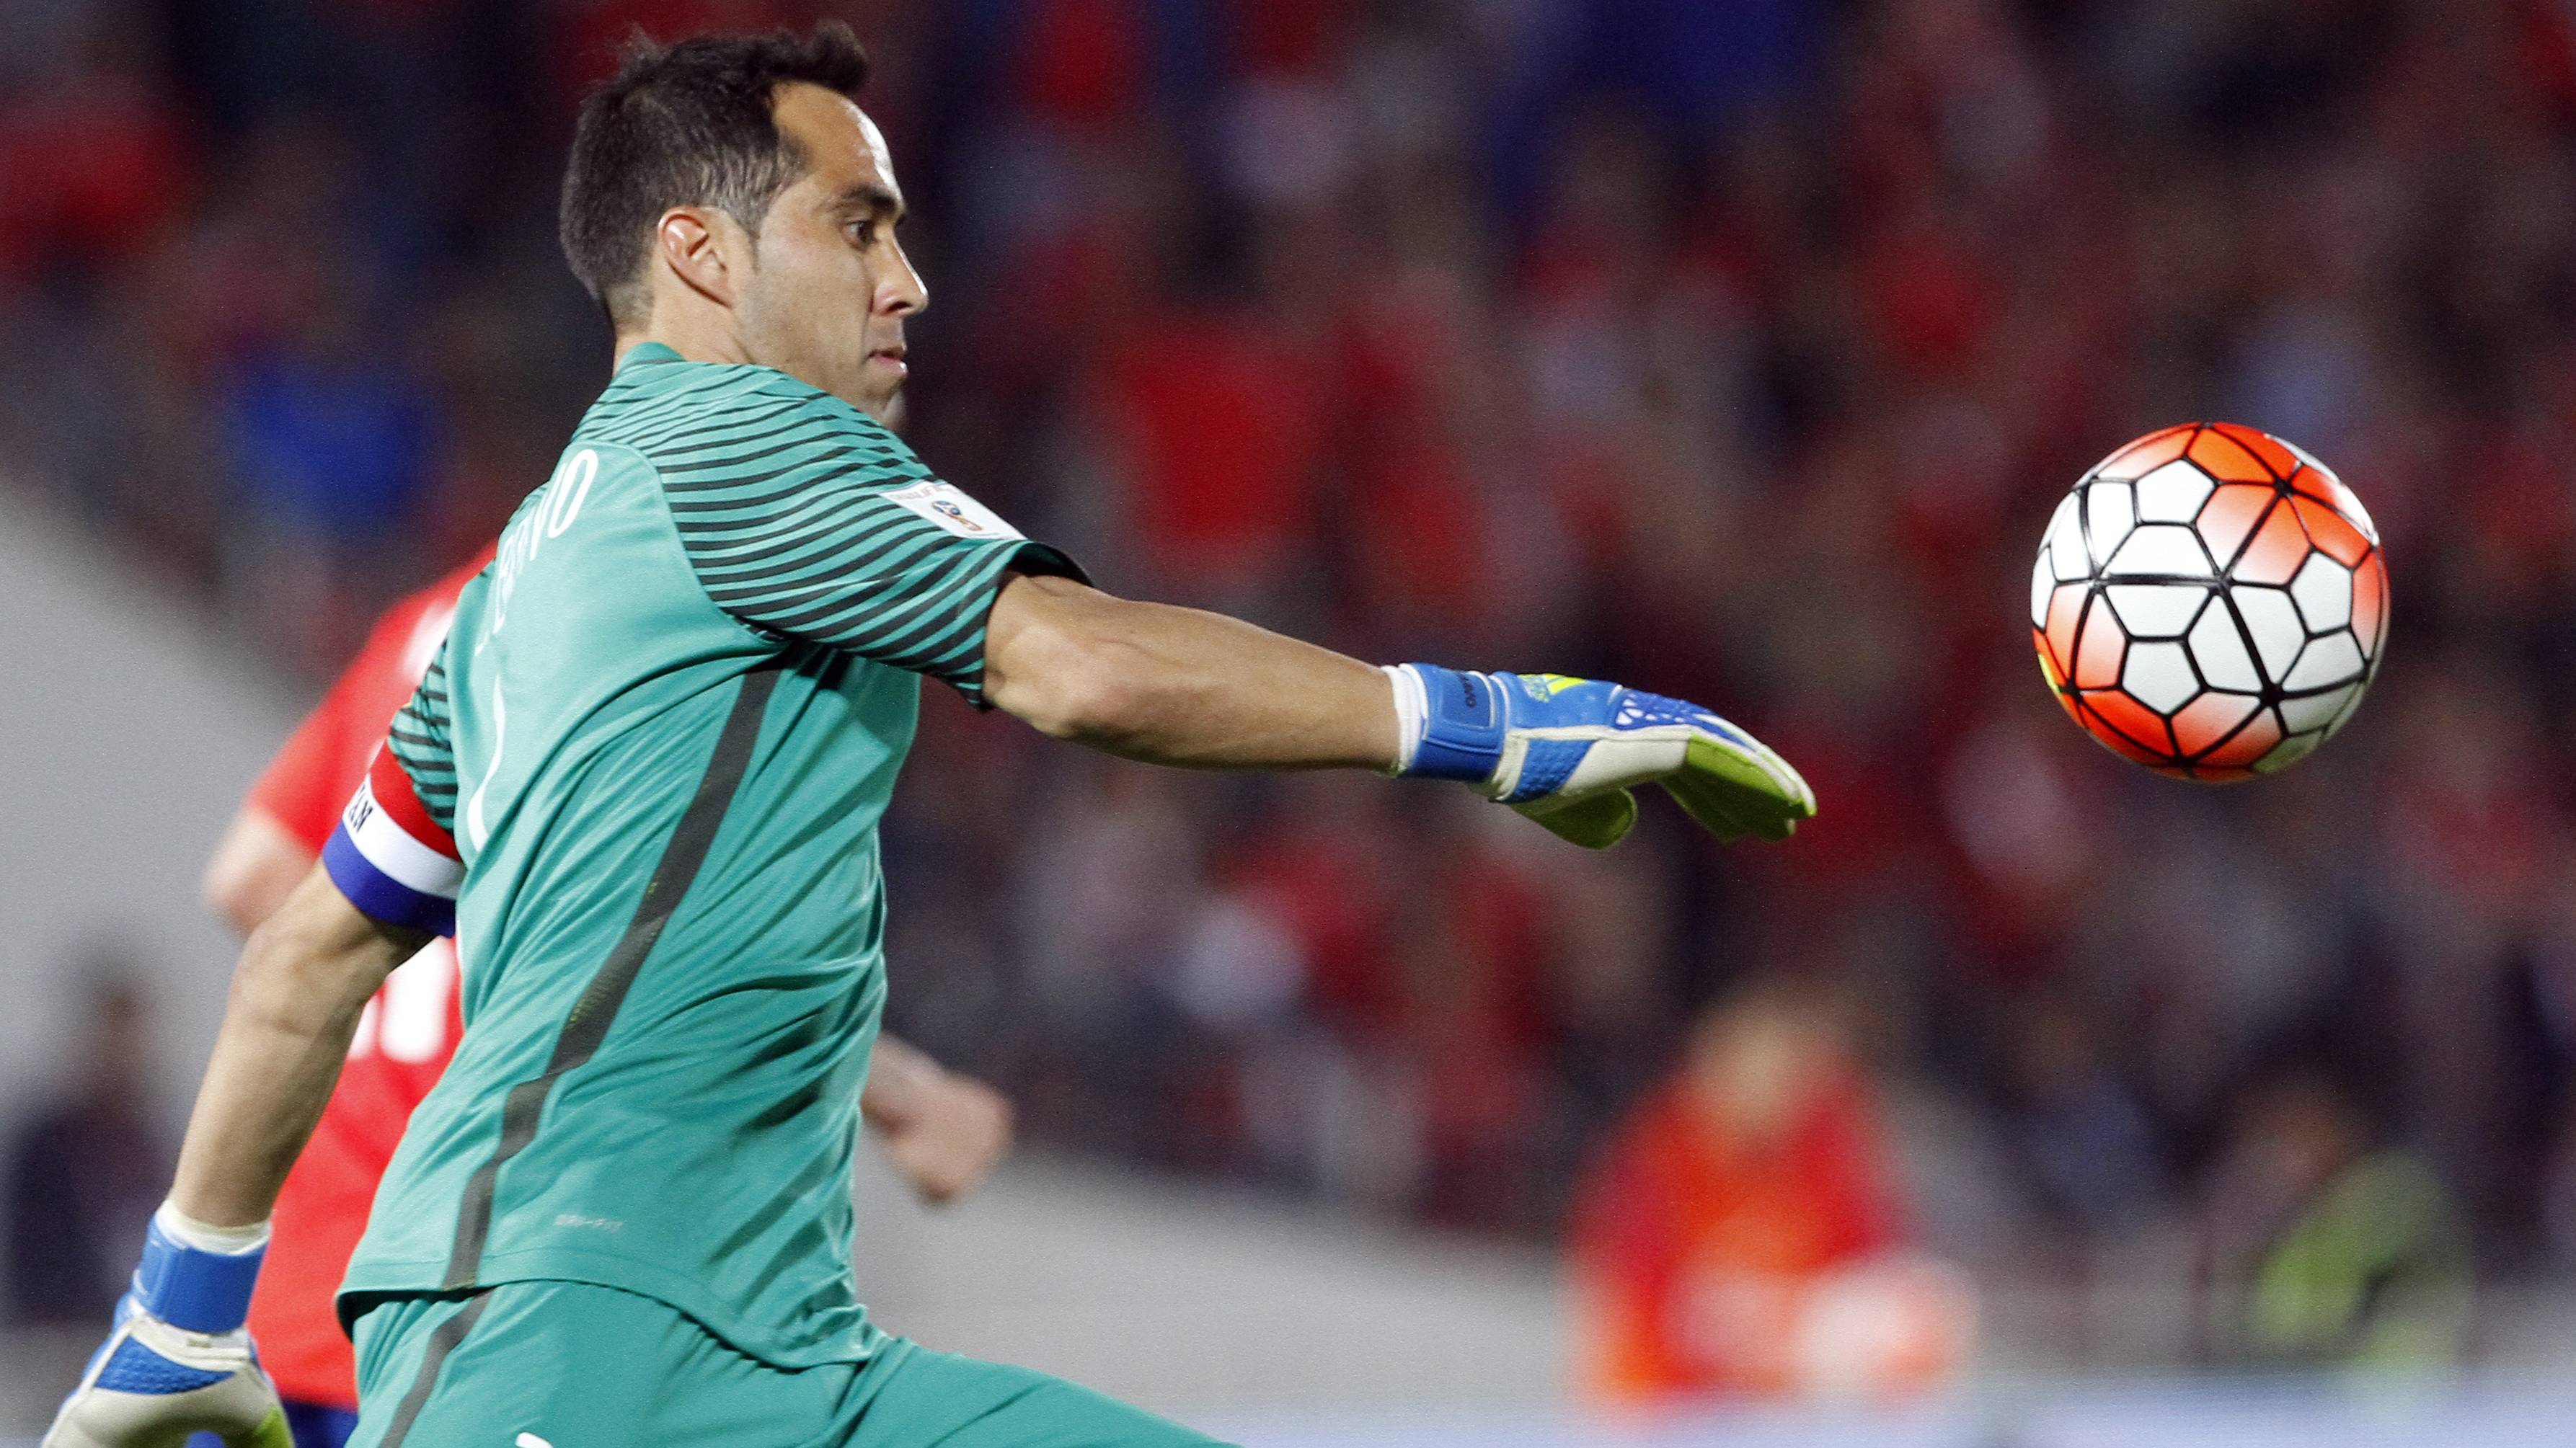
pixel 227 1241
pixel 1412 712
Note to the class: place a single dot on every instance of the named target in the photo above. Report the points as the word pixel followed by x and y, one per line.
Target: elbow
pixel 271 988
pixel 311 965
pixel 277 960
pixel 1064 659
pixel 1091 689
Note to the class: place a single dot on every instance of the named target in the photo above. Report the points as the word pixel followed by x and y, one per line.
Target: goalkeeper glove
pixel 177 1359
pixel 1566 752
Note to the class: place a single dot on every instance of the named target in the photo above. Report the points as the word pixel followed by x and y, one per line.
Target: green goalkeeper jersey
pixel 661 733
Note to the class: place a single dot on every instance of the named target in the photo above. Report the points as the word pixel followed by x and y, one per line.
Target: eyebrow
pixel 870 198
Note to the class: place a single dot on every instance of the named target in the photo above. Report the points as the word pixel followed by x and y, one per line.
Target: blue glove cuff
pixel 1463 719
pixel 192 1288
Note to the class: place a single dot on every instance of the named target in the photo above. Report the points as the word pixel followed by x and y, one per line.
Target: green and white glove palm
pixel 177 1360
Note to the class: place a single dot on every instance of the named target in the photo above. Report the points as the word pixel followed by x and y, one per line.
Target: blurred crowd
pixel 1734 350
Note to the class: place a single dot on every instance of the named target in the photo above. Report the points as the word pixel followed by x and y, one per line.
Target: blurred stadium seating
pixel 1735 349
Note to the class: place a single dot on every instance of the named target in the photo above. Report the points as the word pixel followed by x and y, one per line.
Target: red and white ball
pixel 2210 602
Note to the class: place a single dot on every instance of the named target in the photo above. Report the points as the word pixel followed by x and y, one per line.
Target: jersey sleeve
pixel 392 860
pixel 419 744
pixel 393 854
pixel 819 525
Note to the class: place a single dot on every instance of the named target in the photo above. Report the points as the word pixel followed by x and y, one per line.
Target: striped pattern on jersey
pixel 419 740
pixel 806 519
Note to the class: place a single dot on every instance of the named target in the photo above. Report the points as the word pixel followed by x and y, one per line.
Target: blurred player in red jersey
pixel 1740 1238
pixel 942 1131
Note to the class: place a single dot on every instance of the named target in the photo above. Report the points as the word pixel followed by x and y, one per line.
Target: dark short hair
pixel 689 124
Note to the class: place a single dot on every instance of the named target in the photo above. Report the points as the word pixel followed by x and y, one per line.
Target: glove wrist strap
pixel 190 1286
pixel 1410 707
pixel 1460 733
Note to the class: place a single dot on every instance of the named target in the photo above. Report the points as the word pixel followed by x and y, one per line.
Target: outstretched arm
pixel 1179 686
pixel 936 583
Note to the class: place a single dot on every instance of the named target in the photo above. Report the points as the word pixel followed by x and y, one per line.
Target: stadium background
pixel 1734 349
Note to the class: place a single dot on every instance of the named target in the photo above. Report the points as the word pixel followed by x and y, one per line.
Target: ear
pixel 705 249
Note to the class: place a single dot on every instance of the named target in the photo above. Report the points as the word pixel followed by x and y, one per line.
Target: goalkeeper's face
pixel 830 286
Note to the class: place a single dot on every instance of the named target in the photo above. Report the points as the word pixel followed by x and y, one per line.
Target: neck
pixel 698 334
pixel 690 349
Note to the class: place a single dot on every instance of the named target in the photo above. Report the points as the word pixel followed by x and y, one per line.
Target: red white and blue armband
pixel 390 858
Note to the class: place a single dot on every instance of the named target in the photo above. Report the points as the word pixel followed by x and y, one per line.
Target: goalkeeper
pixel 644 775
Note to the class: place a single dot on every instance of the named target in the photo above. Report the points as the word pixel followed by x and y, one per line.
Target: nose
pixel 901 292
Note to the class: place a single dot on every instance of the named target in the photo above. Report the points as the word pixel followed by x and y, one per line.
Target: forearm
pixel 1181 686
pixel 303 980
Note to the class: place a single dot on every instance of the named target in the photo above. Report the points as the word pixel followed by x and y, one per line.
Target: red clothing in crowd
pixel 1692 1253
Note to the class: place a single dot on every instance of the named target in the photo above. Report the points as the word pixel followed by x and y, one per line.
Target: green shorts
pixel 570 1365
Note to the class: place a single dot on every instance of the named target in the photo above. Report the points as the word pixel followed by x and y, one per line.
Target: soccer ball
pixel 2210 602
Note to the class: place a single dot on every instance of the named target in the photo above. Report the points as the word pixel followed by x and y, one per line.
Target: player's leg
pixel 910 1397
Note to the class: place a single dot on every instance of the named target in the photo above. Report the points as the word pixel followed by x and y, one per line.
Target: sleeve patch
pixel 943 506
